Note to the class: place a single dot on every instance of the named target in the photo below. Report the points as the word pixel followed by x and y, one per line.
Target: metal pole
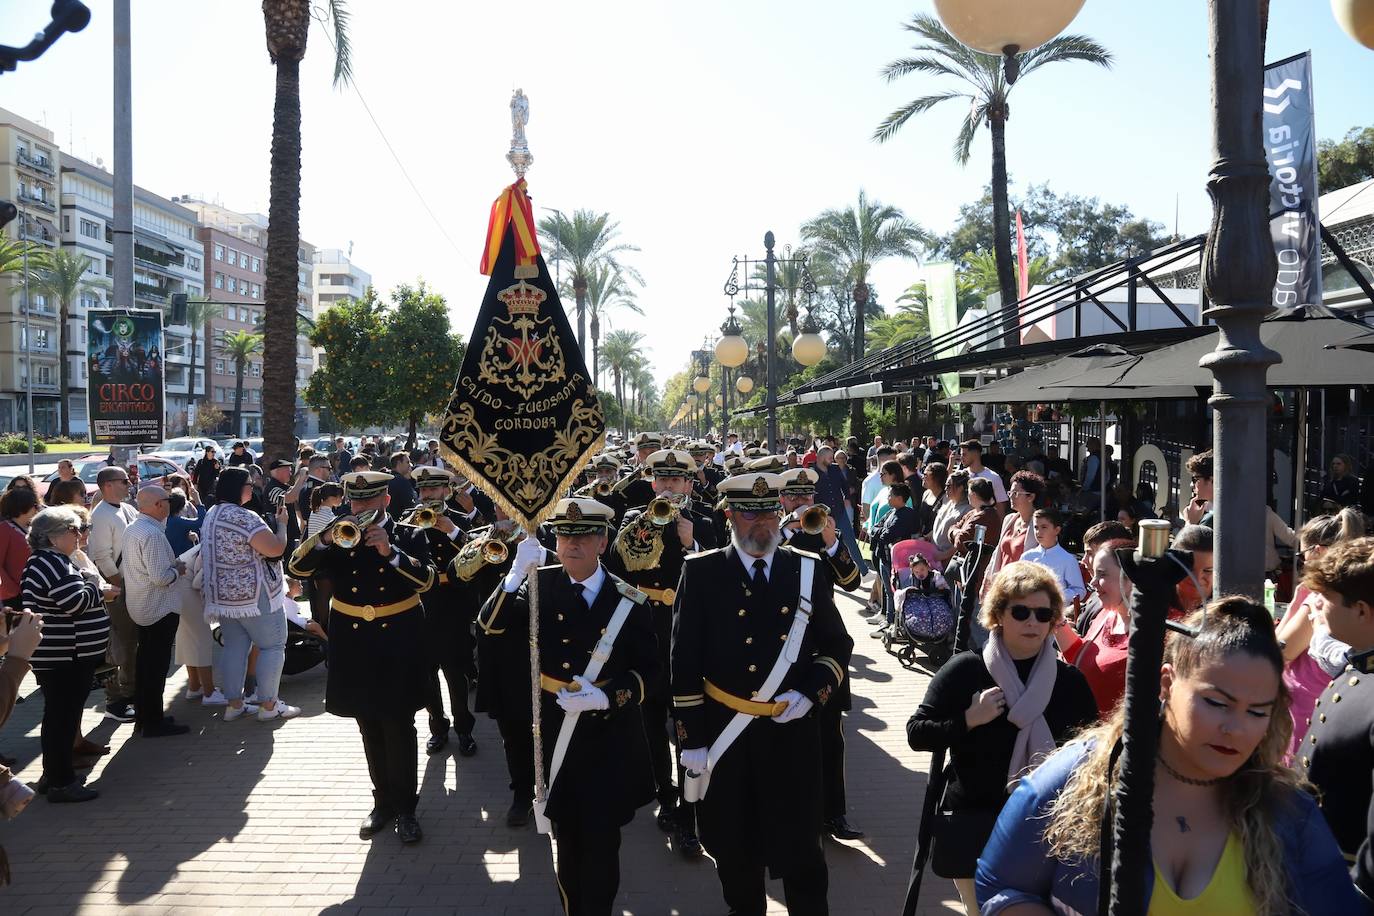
pixel 122 228
pixel 1300 461
pixel 1238 272
pixel 1102 461
pixel 772 397
pixel 28 355
pixel 724 404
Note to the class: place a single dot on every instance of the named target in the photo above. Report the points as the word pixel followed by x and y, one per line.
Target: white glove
pixel 527 553
pixel 589 699
pixel 797 706
pixel 694 759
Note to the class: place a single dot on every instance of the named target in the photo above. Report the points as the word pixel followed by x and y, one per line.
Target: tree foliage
pixel 425 355
pixel 1350 160
pixel 351 381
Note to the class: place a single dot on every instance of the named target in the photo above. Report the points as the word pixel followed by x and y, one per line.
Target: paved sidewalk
pixel 262 818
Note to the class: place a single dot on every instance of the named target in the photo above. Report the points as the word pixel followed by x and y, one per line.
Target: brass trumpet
pixel 423 516
pixel 661 511
pixel 813 518
pixel 494 551
pixel 602 488
pixel 347 534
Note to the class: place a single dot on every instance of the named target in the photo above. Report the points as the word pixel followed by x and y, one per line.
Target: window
pixel 90 229
pixel 257 369
pixel 40 338
pixel 219 252
pixel 219 367
pixel 88 302
pixel 45 375
pixel 257 265
pixel 66 223
pixel 243 287
pixel 233 258
pixel 192 263
pixel 193 291
pixel 257 394
pixel 219 281
pixel 257 291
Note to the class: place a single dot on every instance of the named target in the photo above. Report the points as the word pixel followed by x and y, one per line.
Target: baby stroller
pixel 924 616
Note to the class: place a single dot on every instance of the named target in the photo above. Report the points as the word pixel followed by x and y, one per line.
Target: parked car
pixel 150 467
pixel 186 451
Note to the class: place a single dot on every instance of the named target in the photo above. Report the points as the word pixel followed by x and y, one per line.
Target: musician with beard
pixel 757 644
pixel 799 495
pixel 648 553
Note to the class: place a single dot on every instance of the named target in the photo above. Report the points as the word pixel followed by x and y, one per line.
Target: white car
pixel 187 450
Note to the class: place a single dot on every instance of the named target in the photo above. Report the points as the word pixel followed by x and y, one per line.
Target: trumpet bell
pixel 661 511
pixel 603 488
pixel 424 517
pixel 813 519
pixel 348 534
pixel 494 551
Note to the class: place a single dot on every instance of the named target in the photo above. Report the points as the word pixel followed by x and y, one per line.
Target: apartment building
pixel 234 277
pixel 335 278
pixel 167 260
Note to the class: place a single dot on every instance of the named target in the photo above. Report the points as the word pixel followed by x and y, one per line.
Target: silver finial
pixel 519 157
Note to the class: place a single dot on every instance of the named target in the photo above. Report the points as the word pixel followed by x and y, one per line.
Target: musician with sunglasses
pixel 979 705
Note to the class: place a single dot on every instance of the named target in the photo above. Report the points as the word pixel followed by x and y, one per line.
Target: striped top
pixel 75 624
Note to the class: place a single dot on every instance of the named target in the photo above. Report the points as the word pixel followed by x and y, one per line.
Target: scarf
pixel 1026 702
pixel 233 574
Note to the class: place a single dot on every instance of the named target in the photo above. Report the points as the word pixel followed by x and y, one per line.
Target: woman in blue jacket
pixel 1234 831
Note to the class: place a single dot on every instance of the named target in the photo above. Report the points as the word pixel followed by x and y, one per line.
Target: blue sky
pixel 699 126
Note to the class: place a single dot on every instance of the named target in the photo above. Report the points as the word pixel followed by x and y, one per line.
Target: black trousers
pixel 450 660
pixel 588 869
pixel 804 890
pixel 150 671
pixel 518 738
pixel 391 762
pixel 831 722
pixel 65 689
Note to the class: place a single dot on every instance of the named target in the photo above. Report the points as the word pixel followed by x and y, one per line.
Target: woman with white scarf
pixel 999 713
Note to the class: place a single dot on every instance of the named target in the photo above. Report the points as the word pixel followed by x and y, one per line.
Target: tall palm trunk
pixel 279 326
pixel 580 293
pixel 620 397
pixel 64 369
pixel 596 350
pixel 858 423
pixel 1001 225
pixel 238 399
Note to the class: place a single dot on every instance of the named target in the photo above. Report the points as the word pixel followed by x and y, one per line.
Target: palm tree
pixel 199 314
pixel 622 352
pixel 61 274
pixel 288 26
pixel 910 322
pixel 854 239
pixel 980 271
pixel 584 242
pixel 12 253
pixel 240 346
pixel 606 289
pixel 985 96
pixel 787 277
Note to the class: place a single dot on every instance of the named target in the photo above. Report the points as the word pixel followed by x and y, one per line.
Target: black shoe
pixel 40 787
pixel 686 842
pixel 408 829
pixel 120 711
pixel 436 743
pixel 164 730
pixel 466 746
pixel 75 792
pixel 841 829
pixel 375 822
pixel 667 817
pixel 519 813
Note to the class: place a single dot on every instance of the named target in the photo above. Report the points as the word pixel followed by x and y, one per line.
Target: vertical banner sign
pixel 942 305
pixel 125 393
pixel 1290 145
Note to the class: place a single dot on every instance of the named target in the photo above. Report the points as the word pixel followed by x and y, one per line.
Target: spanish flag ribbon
pixel 512 208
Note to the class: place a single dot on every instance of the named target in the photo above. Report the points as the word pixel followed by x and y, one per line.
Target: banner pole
pixel 540 789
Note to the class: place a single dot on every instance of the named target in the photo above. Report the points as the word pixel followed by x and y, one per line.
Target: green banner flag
pixel 942 307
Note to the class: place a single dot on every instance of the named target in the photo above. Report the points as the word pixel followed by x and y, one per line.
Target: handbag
pixel 958 838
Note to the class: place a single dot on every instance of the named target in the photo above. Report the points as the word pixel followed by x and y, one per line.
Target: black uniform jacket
pixel 1338 756
pixel 447 620
pixel 634 491
pixel 764 799
pixel 375 667
pixel 606 774
pixel 503 651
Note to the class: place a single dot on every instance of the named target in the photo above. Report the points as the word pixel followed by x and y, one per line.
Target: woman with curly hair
pixel 1234 831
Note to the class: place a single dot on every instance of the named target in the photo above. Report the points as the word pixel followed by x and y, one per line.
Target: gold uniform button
pixel 741 612
pixel 753 667
pixel 567 665
pixel 355 626
pixel 355 589
pixel 566 641
pixel 782 637
pixel 1314 738
pixel 560 616
pixel 1306 762
pixel 748 640
pixel 786 611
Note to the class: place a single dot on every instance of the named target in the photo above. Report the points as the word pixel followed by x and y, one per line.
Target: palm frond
pixel 893 122
pixel 963 141
pixel 1066 48
pixel 905 66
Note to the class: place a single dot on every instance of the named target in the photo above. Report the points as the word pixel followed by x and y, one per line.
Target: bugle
pixel 813 518
pixel 423 516
pixel 603 488
pixel 661 511
pixel 494 551
pixel 348 533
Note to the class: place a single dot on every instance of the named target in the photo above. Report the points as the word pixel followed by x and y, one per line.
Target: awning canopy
pixel 154 243
pixel 1027 387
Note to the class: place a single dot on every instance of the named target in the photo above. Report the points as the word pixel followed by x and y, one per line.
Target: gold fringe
pixel 475 477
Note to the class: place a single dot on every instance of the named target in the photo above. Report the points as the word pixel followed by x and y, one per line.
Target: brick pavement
pixel 262 817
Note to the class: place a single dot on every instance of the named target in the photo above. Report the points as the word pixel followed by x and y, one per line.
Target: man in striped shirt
pixel 150 570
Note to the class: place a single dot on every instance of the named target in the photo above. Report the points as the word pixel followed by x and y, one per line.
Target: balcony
pixel 151 291
pixel 31 200
pixel 42 166
pixel 36 232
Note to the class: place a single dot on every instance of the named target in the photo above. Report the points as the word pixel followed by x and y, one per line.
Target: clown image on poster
pixel 124 362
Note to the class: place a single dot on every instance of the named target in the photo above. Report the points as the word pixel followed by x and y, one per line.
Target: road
pixel 261 818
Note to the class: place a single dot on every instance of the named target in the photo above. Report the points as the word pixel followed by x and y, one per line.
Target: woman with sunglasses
pixel 998 713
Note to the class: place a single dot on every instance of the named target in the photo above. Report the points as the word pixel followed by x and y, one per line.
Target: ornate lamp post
pixel 808 350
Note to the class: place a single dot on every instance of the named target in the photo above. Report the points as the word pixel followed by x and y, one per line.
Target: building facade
pixel 234 278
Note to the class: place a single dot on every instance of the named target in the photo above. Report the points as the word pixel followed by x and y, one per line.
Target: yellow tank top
pixel 1227 894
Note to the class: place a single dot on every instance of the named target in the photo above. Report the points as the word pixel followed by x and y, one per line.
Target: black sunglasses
pixel 1022 613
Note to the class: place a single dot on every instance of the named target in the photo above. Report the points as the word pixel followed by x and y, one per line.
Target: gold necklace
pixel 1188 779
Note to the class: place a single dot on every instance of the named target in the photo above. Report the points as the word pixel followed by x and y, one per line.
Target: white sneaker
pixel 230 714
pixel 251 698
pixel 193 694
pixel 282 709
pixel 215 698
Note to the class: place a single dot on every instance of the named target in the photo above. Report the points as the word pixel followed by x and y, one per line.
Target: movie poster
pixel 125 391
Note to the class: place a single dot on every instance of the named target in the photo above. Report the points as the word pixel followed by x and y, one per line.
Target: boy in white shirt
pixel 1047 552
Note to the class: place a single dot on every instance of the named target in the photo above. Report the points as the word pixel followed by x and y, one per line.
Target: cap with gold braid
pixel 799 482
pixel 771 464
pixel 669 462
pixel 428 476
pixel 752 492
pixel 364 484
pixel 606 462
pixel 580 516
pixel 647 440
pixel 756 453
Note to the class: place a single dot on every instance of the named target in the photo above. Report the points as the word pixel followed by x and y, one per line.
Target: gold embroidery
pixel 681 732
pixel 640 544
pixel 521 351
pixel 622 697
pixel 823 694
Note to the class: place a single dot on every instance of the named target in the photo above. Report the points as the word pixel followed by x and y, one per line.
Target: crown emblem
pixel 574 513
pixel 670 461
pixel 760 486
pixel 522 299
